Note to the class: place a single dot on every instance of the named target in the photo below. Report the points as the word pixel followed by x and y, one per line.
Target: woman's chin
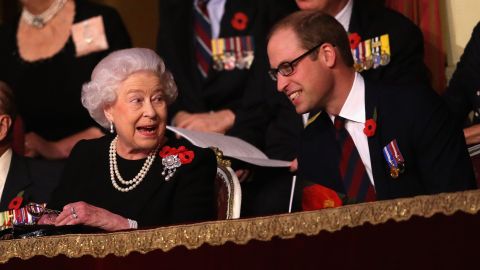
pixel 149 141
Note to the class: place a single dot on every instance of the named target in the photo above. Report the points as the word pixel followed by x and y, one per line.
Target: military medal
pixel 368 62
pixel 397 155
pixel 361 53
pixel 229 58
pixel 394 159
pixel 356 57
pixel 376 52
pixel 392 164
pixel 385 52
pixel 217 51
pixel 249 53
pixel 239 63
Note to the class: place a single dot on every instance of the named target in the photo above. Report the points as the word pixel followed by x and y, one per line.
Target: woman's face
pixel 139 114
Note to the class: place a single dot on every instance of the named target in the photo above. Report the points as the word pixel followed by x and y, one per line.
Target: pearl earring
pixel 111 127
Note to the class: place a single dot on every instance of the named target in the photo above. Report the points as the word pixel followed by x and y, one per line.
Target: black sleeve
pixel 440 147
pixel 407 64
pixel 466 79
pixel 117 34
pixel 74 172
pixel 46 175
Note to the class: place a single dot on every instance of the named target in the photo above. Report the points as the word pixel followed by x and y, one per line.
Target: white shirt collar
pixel 216 10
pixel 5 161
pixel 354 107
pixel 345 14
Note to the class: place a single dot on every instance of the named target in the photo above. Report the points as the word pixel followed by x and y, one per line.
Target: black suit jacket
pixel 37 178
pixel 221 89
pixel 406 43
pixel 436 159
pixel 462 93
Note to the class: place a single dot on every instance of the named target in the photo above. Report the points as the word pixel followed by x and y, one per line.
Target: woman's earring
pixel 111 127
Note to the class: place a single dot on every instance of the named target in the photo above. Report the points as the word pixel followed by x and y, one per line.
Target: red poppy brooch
pixel 173 158
pixel 239 21
pixel 371 124
pixel 354 39
pixel 16 202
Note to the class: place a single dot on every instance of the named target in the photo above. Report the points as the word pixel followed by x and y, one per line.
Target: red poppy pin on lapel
pixel 16 202
pixel 239 21
pixel 371 124
pixel 173 158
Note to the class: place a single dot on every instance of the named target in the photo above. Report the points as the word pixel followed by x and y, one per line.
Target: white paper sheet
pixel 230 146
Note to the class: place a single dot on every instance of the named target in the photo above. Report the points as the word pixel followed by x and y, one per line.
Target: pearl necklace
pixel 130 184
pixel 40 20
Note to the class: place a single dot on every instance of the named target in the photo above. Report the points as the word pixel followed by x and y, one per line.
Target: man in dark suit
pixel 209 101
pixel 35 178
pixel 416 148
pixel 463 91
pixel 270 121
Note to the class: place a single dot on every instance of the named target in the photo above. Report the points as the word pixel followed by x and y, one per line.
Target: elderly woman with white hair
pixel 137 176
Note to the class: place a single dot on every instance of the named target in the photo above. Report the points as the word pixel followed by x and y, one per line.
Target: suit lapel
pixel 17 180
pixel 372 96
pixel 320 154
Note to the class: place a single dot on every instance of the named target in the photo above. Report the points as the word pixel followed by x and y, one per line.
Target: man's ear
pixel 328 55
pixel 5 124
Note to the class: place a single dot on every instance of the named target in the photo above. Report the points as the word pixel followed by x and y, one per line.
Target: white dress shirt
pixel 215 8
pixel 344 16
pixel 354 113
pixel 5 161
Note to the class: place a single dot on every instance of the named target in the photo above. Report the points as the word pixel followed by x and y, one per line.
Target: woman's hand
pixel 47 219
pixel 86 214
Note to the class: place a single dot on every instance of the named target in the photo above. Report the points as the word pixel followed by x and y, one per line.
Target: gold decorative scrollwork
pixel 241 231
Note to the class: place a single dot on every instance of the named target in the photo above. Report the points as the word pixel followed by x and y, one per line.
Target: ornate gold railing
pixel 240 231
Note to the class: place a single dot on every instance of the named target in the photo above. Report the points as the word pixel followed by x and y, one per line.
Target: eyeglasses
pixel 287 68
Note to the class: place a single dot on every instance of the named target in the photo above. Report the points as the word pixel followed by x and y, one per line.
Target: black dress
pixel 188 196
pixel 48 90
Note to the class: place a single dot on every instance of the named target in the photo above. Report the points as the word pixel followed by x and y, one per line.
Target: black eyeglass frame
pixel 290 66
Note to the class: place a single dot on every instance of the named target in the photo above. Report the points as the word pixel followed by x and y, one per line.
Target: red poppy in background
pixel 239 21
pixel 354 40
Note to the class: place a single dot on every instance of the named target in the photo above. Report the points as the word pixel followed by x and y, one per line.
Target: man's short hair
pixel 315 27
pixel 7 101
pixel 7 106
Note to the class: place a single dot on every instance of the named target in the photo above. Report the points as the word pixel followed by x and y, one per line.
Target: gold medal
pixel 394 172
pixel 384 59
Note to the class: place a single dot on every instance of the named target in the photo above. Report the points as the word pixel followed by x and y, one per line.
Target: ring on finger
pixel 74 214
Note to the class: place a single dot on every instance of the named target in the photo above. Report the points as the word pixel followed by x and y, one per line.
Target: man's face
pixel 309 85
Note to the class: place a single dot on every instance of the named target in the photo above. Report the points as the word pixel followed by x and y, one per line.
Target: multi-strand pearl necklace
pixel 40 20
pixel 130 184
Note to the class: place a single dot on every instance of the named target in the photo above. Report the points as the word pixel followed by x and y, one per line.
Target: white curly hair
pixel 112 70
